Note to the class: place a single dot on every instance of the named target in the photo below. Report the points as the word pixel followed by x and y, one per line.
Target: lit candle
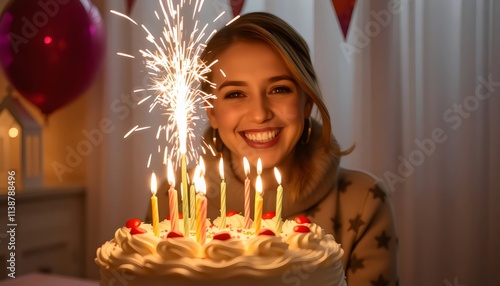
pixel 154 206
pixel 246 167
pixel 279 199
pixel 172 198
pixel 201 206
pixel 184 191
pixel 258 203
pixel 222 193
pixel 259 172
pixel 192 202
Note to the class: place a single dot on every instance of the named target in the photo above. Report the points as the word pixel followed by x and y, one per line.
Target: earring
pixel 308 124
pixel 216 140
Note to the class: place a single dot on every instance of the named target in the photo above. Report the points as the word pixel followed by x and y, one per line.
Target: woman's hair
pixel 283 39
pixel 294 52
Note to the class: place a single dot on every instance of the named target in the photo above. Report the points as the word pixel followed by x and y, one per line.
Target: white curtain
pixel 415 86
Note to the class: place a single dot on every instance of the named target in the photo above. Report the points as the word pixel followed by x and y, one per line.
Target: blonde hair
pixel 294 52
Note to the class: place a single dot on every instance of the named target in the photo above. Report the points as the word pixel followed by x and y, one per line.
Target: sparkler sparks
pixel 176 72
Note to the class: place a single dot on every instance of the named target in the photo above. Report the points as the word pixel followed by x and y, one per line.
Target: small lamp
pixel 20 144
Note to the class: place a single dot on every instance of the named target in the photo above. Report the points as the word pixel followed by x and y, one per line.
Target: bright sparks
pixel 176 72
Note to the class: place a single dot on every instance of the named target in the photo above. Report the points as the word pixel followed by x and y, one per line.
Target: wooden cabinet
pixel 49 231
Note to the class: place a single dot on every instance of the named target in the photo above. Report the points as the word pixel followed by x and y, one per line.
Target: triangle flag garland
pixel 344 10
pixel 236 6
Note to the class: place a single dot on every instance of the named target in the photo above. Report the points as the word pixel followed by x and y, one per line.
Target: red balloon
pixel 51 50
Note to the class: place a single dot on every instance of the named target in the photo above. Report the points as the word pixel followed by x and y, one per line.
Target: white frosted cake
pixel 300 254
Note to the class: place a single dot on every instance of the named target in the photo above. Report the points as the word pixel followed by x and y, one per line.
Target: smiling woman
pixel 265 91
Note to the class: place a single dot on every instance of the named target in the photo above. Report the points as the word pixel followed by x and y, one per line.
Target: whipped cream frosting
pixel 243 254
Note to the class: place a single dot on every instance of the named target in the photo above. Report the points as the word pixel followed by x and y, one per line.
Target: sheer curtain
pixel 415 86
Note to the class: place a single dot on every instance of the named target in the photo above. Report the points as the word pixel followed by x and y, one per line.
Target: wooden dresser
pixel 49 235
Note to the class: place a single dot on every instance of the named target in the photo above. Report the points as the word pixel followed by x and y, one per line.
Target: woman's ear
pixel 211 117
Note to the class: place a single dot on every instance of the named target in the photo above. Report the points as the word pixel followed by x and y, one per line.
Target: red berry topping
pixel 174 234
pixel 137 230
pixel 266 231
pixel 231 213
pixel 301 228
pixel 222 236
pixel 302 219
pixel 268 215
pixel 133 222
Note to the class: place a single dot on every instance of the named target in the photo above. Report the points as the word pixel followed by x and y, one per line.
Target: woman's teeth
pixel 262 136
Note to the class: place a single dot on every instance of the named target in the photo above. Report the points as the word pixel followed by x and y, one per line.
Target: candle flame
pixel 277 175
pixel 202 167
pixel 246 166
pixel 221 168
pixel 153 184
pixel 259 167
pixel 199 178
pixel 170 172
pixel 258 185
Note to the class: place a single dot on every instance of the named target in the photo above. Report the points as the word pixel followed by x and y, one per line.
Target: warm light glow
pixel 221 168
pixel 246 166
pixel 277 175
pixel 259 167
pixel 13 132
pixel 202 168
pixel 175 70
pixel 47 39
pixel 153 184
pixel 170 172
pixel 258 185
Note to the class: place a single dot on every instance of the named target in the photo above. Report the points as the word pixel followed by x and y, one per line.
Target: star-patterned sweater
pixel 351 205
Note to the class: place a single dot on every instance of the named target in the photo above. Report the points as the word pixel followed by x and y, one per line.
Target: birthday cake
pixel 291 252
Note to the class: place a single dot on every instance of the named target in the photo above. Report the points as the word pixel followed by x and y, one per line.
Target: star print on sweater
pixel 383 240
pixel 343 184
pixel 378 193
pixel 355 263
pixel 356 223
pixel 380 281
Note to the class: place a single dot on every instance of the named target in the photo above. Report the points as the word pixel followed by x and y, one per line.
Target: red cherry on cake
pixel 133 222
pixel 302 219
pixel 222 236
pixel 174 234
pixel 231 213
pixel 266 231
pixel 268 215
pixel 301 228
pixel 137 230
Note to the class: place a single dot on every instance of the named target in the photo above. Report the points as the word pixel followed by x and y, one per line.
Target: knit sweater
pixel 351 205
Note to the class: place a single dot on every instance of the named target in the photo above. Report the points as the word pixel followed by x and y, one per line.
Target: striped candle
pixel 222 194
pixel 279 199
pixel 172 198
pixel 246 166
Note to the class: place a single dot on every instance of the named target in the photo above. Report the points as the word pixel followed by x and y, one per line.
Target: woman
pixel 266 89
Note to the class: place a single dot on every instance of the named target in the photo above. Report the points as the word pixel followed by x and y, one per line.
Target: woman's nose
pixel 259 109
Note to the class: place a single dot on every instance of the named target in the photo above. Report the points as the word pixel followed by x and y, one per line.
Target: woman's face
pixel 260 110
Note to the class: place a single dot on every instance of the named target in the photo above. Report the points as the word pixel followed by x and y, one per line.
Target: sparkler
pixel 176 72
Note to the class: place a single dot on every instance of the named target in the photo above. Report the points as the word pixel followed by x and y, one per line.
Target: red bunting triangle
pixel 236 6
pixel 130 5
pixel 344 10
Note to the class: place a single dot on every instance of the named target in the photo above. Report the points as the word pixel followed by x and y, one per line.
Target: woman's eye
pixel 234 94
pixel 281 89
